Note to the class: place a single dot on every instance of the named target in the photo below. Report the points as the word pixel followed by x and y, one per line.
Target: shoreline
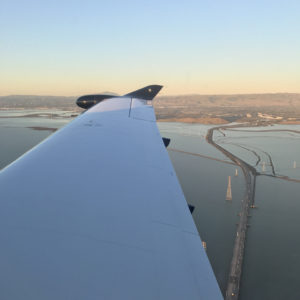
pixel 209 121
pixel 204 120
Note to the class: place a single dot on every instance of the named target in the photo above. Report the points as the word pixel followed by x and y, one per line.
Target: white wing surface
pixel 96 212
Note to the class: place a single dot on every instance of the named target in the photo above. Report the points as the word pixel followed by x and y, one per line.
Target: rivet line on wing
pixel 130 108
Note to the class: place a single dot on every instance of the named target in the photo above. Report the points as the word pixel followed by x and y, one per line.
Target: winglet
pixel 146 93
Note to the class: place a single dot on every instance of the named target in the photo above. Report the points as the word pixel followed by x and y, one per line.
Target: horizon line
pixel 159 96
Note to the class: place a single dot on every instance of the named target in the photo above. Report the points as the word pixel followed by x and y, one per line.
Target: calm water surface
pixel 272 256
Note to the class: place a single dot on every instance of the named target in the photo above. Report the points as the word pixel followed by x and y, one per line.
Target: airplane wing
pixel 95 211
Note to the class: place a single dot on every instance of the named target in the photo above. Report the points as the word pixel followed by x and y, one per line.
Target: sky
pixel 71 48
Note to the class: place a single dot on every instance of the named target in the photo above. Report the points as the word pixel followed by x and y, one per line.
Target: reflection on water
pixel 272 249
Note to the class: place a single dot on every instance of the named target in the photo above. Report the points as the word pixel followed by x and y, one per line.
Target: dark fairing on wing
pixel 88 101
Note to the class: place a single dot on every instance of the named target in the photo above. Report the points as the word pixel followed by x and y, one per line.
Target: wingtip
pixel 146 93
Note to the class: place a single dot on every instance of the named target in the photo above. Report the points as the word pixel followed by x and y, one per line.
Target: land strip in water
pixel 201 155
pixel 263 130
pixel 281 177
pixel 43 128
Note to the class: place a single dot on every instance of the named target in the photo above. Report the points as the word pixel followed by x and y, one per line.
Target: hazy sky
pixel 77 47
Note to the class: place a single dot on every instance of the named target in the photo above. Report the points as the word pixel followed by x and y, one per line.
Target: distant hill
pixel 227 107
pixel 243 100
pixel 35 102
pixel 249 100
pixel 214 108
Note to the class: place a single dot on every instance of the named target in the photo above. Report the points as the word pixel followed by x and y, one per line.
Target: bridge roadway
pixel 233 286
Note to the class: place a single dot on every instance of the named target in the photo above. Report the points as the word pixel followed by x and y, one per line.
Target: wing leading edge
pixel 96 212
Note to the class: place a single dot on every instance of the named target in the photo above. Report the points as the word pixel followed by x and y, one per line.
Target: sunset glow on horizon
pixel 70 48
